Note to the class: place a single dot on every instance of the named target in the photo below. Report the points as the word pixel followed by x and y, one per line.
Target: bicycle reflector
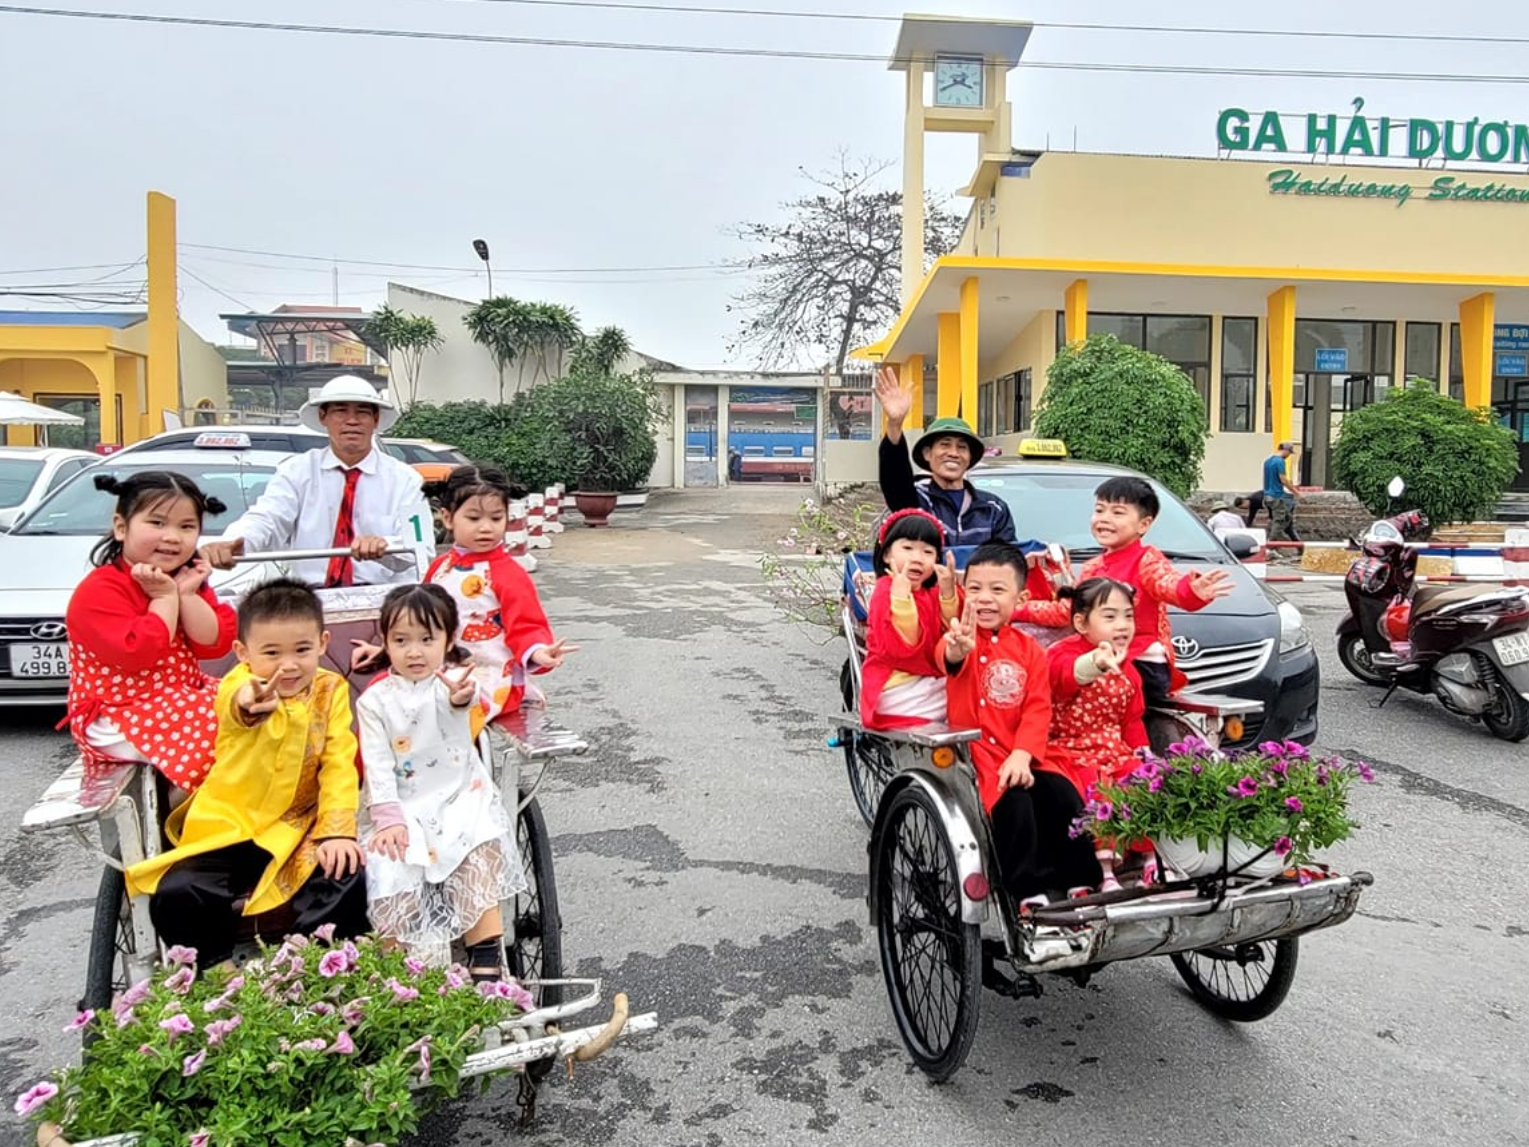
pixel 975 886
pixel 1231 729
pixel 944 757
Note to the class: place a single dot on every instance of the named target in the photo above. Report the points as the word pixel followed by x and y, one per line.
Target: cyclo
pixel 128 804
pixel 946 928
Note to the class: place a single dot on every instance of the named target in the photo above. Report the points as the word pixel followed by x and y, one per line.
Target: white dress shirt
pixel 301 505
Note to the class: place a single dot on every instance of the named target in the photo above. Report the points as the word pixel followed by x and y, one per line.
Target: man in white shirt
pixel 349 495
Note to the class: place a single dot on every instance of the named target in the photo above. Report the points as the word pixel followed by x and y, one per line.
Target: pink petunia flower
pixel 125 1016
pixel 324 933
pixel 353 1012
pixel 34 1098
pixel 343 1044
pixel 180 982
pixel 80 1021
pixel 401 992
pixel 134 995
pixel 1366 774
pixel 334 963
pixel 200 1139
pixel 180 954
pixel 193 1063
pixel 147 1049
pixel 415 966
pixel 310 1045
pixel 218 1030
pixel 1294 804
pixel 178 1025
pixel 1283 845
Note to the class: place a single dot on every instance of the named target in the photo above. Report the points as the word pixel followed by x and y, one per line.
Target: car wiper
pixel 1084 551
pixel 1186 556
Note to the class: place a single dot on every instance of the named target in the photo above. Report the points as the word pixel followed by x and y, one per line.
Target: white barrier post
pixel 1515 556
pixel 516 538
pixel 537 538
pixel 553 518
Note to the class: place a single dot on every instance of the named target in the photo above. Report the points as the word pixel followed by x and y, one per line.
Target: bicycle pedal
pixel 1022 987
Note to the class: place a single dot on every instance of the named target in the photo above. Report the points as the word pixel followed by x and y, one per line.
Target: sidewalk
pixel 683 525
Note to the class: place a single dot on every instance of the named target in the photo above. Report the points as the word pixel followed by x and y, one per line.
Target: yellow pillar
pixel 948 365
pixel 105 370
pixel 1281 362
pixel 912 371
pixel 969 297
pixel 164 333
pixel 1075 314
pixel 1477 315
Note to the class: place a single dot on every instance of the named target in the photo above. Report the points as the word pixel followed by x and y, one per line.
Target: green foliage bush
pixel 590 430
pixel 1111 402
pixel 1456 461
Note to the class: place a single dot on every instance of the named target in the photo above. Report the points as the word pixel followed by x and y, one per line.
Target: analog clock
pixel 957 83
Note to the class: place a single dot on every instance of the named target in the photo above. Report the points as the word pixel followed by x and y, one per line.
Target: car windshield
pixel 1056 506
pixel 79 508
pixel 17 476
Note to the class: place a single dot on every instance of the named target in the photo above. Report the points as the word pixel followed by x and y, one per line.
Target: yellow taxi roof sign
pixel 1043 448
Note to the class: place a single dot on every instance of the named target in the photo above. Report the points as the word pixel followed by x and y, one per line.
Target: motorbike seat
pixel 1430 598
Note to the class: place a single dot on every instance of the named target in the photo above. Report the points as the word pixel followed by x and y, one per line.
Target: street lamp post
pixel 480 246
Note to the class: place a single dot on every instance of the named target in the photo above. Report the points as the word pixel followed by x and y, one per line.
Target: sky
pixel 604 180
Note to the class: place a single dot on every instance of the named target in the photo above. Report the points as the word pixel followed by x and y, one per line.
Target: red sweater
pixel 1002 688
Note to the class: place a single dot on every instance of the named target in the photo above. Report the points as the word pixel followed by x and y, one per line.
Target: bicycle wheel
pixel 930 959
pixel 1243 984
pixel 111 943
pixel 866 759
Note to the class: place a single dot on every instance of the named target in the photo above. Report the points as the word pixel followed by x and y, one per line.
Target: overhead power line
pixel 328 259
pixel 754 53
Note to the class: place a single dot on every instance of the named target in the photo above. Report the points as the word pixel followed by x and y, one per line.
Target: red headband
pixel 881 535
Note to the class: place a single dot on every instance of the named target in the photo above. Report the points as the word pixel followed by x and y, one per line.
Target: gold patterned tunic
pixel 286 784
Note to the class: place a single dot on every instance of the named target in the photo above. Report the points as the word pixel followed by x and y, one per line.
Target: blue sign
pixel 1332 360
pixel 1510 336
pixel 1512 365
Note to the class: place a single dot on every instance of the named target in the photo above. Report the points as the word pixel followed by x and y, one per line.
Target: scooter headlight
pixel 1293 633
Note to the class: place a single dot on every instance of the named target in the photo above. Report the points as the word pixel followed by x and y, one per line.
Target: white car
pixel 28 474
pixel 47 553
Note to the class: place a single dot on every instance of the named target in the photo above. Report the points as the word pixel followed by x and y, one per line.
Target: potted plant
pixel 318 1042
pixel 1255 813
pixel 601 431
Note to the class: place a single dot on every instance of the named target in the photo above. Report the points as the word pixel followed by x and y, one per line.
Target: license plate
pixel 45 659
pixel 1512 648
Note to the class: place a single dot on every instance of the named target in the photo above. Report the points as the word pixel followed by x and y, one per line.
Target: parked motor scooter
pixel 1467 645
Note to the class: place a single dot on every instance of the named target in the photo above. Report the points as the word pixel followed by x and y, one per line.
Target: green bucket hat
pixel 947 428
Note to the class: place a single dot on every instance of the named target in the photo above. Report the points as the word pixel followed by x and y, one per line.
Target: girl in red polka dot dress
pixel 139 624
pixel 1097 705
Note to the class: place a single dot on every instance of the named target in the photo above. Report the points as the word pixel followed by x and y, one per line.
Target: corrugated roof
pixel 117 320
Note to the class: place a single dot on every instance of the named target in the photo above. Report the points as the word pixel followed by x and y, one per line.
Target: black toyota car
pixel 1251 643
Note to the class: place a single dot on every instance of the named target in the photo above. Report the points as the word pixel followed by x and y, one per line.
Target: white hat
pixel 347 388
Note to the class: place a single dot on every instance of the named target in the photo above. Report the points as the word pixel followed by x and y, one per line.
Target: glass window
pixel 1126 328
pixel 1022 400
pixel 17 476
pixel 80 509
pixel 1239 346
pixel 1003 404
pixel 1239 355
pixel 1179 338
pixel 849 415
pixel 64 472
pixel 985 410
pixel 1371 346
pixel 1237 403
pixel 1423 351
pixel 1456 367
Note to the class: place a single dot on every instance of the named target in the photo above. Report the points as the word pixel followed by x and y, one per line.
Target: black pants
pixel 194 905
pixel 1156 681
pixel 1035 852
pixel 1255 503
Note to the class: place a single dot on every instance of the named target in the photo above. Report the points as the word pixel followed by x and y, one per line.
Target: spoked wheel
pixel 1245 983
pixel 868 761
pixel 1507 717
pixel 111 944
pixel 536 951
pixel 1355 656
pixel 930 959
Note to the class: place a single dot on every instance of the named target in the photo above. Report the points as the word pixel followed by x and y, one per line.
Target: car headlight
pixel 1293 633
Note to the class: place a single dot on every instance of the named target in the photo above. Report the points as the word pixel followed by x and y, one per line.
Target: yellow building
pixel 124 372
pixel 1289 289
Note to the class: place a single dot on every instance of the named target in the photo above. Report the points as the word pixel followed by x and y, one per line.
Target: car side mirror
pixel 1241 545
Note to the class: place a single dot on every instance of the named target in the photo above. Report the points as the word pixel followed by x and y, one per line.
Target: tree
pixel 1111 402
pixel 1456 461
pixel 830 276
pixel 601 352
pixel 409 337
pixel 550 327
pixel 498 324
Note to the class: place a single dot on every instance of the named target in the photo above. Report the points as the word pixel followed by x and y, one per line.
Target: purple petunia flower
pixel 401 991
pixel 200 1139
pixel 324 933
pixel 80 1021
pixel 1283 845
pixel 334 963
pixel 180 982
pixel 179 954
pixel 353 1011
pixel 125 1016
pixel 35 1097
pixel 343 1044
pixel 219 1030
pixel 1103 810
pixel 1297 750
pixel 134 995
pixel 1154 784
pixel 1366 774
pixel 1294 804
pixel 415 966
pixel 193 1063
pixel 1247 787
pixel 178 1025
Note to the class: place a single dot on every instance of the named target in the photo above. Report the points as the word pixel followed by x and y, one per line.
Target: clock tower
pixel 966 63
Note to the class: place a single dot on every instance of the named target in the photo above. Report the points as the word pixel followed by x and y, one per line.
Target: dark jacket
pixel 980 517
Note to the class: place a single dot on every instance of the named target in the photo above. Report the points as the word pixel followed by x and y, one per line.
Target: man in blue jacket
pixel 946 450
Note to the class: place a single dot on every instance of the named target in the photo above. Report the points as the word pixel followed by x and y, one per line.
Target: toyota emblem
pixel 49 631
pixel 1186 648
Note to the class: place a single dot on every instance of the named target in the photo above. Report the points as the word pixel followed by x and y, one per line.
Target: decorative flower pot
pixel 1242 858
pixel 596 508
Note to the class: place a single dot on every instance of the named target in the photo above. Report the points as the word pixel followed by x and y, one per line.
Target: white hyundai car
pixel 28 474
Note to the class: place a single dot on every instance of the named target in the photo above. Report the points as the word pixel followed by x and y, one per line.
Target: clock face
pixel 958 83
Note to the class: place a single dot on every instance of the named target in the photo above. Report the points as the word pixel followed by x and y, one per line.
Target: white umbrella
pixel 17 411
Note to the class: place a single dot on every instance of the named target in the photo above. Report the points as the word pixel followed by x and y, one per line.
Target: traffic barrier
pixel 516 538
pixel 536 536
pixel 553 517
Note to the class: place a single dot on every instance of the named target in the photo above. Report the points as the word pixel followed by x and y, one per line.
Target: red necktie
pixel 340 570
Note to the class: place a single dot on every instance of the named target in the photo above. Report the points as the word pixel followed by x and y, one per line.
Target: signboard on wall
pixel 1510 337
pixel 1512 365
pixel 1332 360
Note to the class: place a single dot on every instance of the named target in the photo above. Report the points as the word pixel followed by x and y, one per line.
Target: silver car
pixel 28 474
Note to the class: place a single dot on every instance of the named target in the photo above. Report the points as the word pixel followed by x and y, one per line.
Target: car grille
pixel 1215 669
pixel 14 630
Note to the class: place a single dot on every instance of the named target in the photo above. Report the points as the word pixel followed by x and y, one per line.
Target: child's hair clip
pixel 899 515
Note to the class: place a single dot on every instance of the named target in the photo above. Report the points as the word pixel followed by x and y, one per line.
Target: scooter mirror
pixel 1241 545
pixel 1396 487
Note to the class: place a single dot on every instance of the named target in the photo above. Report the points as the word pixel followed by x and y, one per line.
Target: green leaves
pixel 409 337
pixel 1456 461
pixel 1113 403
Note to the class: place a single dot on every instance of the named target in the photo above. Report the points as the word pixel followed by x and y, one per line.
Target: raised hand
pixel 221 555
pixel 551 656
pixel 1105 658
pixel 896 400
pixel 946 576
pixel 461 688
pixel 192 577
pixel 963 636
pixel 257 698
pixel 363 653
pixel 901 585
pixel 153 580
pixel 1211 584
pixel 390 842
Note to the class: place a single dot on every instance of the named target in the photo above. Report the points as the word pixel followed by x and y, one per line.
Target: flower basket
pixel 1251 814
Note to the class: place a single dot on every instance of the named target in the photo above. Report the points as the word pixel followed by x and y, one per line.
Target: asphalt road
pixel 711 865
